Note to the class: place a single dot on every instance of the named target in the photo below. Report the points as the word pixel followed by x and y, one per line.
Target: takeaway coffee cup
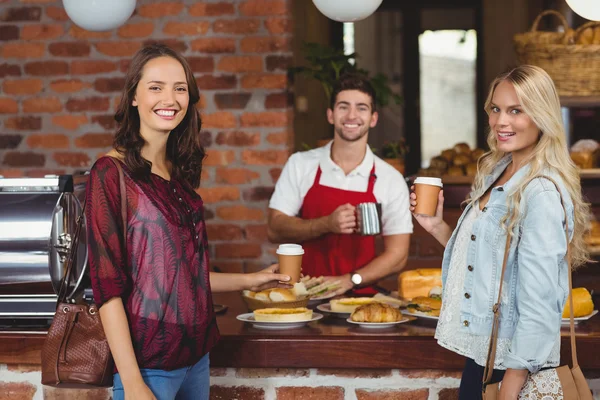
pixel 427 190
pixel 290 261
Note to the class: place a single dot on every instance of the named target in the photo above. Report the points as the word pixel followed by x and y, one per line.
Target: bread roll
pixel 376 312
pixel 283 314
pixel 586 36
pixel 471 169
pixel 455 171
pixel 462 148
pixel 418 282
pixel 596 39
pixel 249 293
pixel 439 163
pixel 582 303
pixel 592 238
pixel 263 296
pixel 278 295
pixel 448 154
pixel 349 304
pixel 461 159
pixel 477 153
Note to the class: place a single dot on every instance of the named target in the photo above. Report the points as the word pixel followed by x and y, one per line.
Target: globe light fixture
pixel 99 15
pixel 588 9
pixel 347 10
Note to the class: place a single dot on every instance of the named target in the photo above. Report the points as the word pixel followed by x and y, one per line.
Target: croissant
pixel 376 312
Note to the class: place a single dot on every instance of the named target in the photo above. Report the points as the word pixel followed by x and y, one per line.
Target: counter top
pixel 328 343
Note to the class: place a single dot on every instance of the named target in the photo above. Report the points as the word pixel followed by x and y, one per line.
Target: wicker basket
pixel 254 304
pixel 573 67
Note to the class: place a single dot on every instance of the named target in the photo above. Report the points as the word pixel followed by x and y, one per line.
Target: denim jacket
pixel 536 283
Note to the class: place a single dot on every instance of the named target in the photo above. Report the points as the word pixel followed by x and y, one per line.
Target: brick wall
pixel 59 86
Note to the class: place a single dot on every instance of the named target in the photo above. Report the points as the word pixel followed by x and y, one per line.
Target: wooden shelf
pixel 580 101
pixel 590 173
pixel 594 251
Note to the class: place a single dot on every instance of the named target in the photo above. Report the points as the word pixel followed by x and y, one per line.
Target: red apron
pixel 336 254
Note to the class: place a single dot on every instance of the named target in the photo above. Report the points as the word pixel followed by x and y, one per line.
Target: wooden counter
pixel 328 343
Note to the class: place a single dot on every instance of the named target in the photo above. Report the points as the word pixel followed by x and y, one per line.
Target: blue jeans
pixel 189 383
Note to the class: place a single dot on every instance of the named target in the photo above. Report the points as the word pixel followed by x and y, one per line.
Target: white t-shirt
pixel 299 173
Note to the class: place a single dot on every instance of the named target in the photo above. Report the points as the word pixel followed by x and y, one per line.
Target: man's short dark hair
pixel 354 82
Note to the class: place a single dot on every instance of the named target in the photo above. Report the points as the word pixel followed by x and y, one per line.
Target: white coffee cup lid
pixel 427 180
pixel 289 249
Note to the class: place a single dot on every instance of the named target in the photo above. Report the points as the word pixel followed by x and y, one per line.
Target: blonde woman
pixel 526 139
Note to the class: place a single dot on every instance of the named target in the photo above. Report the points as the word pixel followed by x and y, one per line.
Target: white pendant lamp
pixel 588 9
pixel 347 10
pixel 99 15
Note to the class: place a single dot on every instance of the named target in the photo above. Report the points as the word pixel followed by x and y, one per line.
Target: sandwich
pixel 426 305
pixel 350 304
pixel 318 287
pixel 283 314
pixel 418 282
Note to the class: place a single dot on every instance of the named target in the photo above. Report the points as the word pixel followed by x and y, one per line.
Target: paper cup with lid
pixel 290 260
pixel 427 190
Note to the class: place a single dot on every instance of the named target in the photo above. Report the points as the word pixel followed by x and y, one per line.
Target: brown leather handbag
pixel 553 383
pixel 76 353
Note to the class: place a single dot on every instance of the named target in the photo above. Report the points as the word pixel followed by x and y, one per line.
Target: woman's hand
pixel 268 278
pixel 430 224
pixel 140 391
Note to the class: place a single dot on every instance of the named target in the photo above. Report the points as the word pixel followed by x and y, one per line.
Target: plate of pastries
pixel 583 307
pixel 377 315
pixel 280 318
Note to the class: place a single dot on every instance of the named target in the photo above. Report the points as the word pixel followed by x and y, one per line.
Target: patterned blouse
pixel 162 275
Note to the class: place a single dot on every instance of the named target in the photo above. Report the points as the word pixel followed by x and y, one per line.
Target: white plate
pixel 378 325
pixel 249 317
pixel 420 315
pixel 324 296
pixel 566 321
pixel 326 308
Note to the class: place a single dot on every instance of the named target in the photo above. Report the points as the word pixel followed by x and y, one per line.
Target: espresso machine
pixel 38 218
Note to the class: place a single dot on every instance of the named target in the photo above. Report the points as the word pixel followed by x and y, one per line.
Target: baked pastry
pixel 283 314
pixel 477 153
pixel 263 296
pixel 448 154
pixel 376 312
pixel 461 159
pixel 582 304
pixel 349 304
pixel 585 153
pixel 471 169
pixel 462 148
pixel 592 238
pixel 426 305
pixel 278 295
pixel 455 171
pixel 418 282
pixel 439 163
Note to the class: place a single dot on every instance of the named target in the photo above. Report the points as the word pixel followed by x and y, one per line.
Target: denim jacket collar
pixel 499 169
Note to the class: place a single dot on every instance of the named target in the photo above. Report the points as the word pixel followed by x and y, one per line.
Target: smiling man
pixel 316 195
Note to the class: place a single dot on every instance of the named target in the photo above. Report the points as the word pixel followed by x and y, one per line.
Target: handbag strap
pixel 491 357
pixel 63 288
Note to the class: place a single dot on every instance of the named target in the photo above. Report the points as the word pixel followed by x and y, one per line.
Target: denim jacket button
pixel 501 189
pixel 467 295
pixel 466 323
pixel 473 237
pixel 470 268
pixel 484 209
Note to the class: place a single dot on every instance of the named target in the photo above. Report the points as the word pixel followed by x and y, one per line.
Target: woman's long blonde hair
pixel 539 99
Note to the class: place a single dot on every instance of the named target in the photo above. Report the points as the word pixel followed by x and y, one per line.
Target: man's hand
pixel 342 220
pixel 345 283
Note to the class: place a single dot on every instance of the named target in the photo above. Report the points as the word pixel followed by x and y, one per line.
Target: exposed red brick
pixel 10 141
pixel 259 233
pixel 235 176
pixel 268 119
pixel 72 159
pixel 24 159
pixel 278 138
pixel 80 33
pixel 107 85
pixel 212 195
pixel 69 121
pixel 92 67
pixel 224 232
pixel 47 68
pixel 106 121
pixel 41 32
pixel 14 14
pixel 268 44
pixel 238 250
pixel 238 138
pixel 42 105
pixel 205 138
pixel 265 157
pixel 264 7
pixel 8 106
pixel 420 394
pixel 279 100
pixel 57 13
pixel 214 45
pixel 12 173
pixel 264 81
pixel 23 50
pixel 212 82
pixel 261 373
pixel 14 390
pixel 94 140
pixel 219 120
pixel 160 10
pixel 448 394
pixel 186 28
pixel 9 70
pixel 218 157
pixel 48 141
pixel 201 64
pixel 9 32
pixel 236 392
pixel 236 26
pixel 22 86
pixel 71 394
pixel 88 104
pixel 309 393
pixel 178 45
pixel 275 63
pixel 24 367
pixel 275 174
pixel 69 49
pixel 278 26
pixel 68 85
pixel 240 213
pixel 23 123
pixel 258 193
pixel 203 9
pixel 240 64
pixel 118 49
pixel 237 101
pixel 136 30
pixel 355 373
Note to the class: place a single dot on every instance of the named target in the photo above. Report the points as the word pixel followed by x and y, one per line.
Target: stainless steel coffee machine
pixel 37 222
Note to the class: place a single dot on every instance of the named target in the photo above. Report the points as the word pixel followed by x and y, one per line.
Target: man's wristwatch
pixel 356 279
